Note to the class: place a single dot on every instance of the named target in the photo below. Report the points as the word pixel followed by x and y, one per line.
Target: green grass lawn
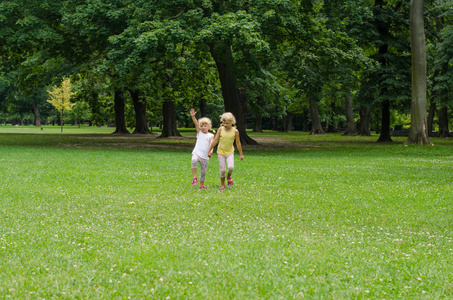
pixel 89 215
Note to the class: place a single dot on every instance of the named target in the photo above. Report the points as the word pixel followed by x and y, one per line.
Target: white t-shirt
pixel 203 144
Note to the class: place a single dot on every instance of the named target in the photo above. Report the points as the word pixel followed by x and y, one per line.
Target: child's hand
pixel 192 112
pixel 242 157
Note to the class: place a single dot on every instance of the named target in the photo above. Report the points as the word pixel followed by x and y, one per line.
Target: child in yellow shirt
pixel 226 135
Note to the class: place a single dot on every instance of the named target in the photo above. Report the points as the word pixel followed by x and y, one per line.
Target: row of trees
pixel 337 61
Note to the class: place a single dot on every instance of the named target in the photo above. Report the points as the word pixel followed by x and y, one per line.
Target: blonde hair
pixel 228 117
pixel 206 121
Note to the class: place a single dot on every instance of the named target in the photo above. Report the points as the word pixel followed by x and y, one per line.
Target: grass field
pixel 89 215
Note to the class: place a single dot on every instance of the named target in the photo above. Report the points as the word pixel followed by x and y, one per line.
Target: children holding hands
pixel 225 137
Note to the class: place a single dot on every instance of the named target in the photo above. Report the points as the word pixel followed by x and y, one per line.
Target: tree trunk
pixel 433 104
pixel 275 124
pixel 95 107
pixel 289 123
pixel 418 131
pixel 443 111
pixel 258 118
pixel 385 123
pixel 431 113
pixel 224 62
pixel 258 124
pixel 284 124
pixel 169 125
pixel 61 121
pixel 364 122
pixel 37 115
pixel 243 99
pixel 383 29
pixel 203 107
pixel 330 125
pixel 141 123
pixel 350 124
pixel 304 121
pixel 443 122
pixel 120 120
pixel 316 127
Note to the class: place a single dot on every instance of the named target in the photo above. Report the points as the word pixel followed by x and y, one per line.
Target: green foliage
pixel 5 83
pixel 443 63
pixel 284 51
pixel 392 43
pixel 60 98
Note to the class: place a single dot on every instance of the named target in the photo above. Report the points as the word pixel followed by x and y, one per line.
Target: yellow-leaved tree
pixel 60 98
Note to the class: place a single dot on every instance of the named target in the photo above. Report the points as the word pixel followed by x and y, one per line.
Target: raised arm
pixel 195 121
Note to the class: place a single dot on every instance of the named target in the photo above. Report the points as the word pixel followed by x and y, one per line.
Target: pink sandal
pixel 194 181
pixel 230 182
pixel 203 187
pixel 222 187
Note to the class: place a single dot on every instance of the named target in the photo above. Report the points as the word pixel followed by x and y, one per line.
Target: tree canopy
pixel 316 65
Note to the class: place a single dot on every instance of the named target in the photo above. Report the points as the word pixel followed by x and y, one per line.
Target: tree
pixel 32 37
pixel 89 25
pixel 418 133
pixel 233 33
pixel 120 120
pixel 141 121
pixel 145 46
pixel 61 98
pixel 442 89
pixel 391 77
pixel 346 59
pixel 380 28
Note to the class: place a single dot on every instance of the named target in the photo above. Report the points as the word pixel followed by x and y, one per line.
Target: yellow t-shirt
pixel 226 141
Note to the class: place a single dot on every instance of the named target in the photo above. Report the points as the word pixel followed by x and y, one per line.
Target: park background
pixel 318 66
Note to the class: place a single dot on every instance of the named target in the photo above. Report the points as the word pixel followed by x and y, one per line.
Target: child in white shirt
pixel 201 151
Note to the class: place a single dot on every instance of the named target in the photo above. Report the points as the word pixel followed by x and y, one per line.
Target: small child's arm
pixel 214 142
pixel 238 145
pixel 195 121
pixel 211 149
